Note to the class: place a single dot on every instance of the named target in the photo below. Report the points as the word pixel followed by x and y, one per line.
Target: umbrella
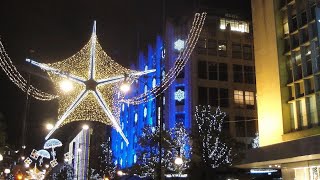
pixel 43 154
pixel 52 143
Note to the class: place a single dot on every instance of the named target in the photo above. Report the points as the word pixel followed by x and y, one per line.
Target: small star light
pixel 87 83
pixel 179 95
pixel 179 45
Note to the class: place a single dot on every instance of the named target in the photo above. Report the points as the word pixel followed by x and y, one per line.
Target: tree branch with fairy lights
pixel 174 143
pixel 213 150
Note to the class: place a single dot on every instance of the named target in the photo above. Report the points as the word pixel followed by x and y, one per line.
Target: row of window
pixel 219 71
pixel 220 48
pixel 305 113
pixel 299 14
pixel 220 97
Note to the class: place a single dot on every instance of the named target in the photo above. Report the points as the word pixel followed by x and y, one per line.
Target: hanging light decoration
pixel 14 75
pixel 95 78
pixel 181 61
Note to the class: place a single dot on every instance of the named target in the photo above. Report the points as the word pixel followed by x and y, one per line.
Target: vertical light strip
pixel 93 52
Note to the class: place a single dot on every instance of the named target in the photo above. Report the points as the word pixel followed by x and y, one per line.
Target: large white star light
pixel 96 80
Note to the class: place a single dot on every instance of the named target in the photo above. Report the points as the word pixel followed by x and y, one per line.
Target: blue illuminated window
pixel 180 118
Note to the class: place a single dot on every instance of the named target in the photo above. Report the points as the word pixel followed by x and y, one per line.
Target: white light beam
pixel 67 113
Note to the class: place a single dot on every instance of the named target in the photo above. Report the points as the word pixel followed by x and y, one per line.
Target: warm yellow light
pixel 125 87
pixel 85 127
pixel 19 176
pixel 106 178
pixel 49 126
pixel 66 86
pixel 22 158
pixel 178 161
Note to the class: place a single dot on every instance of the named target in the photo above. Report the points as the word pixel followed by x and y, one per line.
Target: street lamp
pixel 85 127
pixel 66 86
pixel 120 173
pixel 7 171
pixel 49 126
pixel 125 87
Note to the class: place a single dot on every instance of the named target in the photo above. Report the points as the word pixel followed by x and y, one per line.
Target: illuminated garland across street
pixel 95 79
pixel 14 75
pixel 181 61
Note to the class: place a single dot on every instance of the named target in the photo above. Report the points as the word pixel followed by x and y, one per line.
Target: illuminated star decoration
pixel 179 44
pixel 179 95
pixel 96 78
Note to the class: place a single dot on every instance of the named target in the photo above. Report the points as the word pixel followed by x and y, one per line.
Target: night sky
pixel 56 29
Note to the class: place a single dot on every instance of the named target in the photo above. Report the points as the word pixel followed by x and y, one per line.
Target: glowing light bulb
pixel 125 87
pixel 178 161
pixel 85 127
pixel 66 86
pixel 49 126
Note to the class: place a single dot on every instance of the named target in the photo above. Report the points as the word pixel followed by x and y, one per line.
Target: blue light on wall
pixel 137 117
pixel 179 95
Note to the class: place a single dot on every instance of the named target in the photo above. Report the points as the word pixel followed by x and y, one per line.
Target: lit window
pixel 120 162
pixel 122 107
pixel 153 83
pixel 121 146
pixel 145 88
pixel 159 113
pixel 146 67
pixel 135 117
pixel 235 25
pixel 145 111
pixel 238 98
pixel 249 98
pixel 222 47
pixel 134 158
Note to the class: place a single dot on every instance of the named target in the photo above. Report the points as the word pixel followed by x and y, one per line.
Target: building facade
pixel 223 73
pixel 286 39
pixel 220 72
pixel 79 149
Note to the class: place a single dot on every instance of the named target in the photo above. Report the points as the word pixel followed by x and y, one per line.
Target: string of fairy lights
pixel 95 79
pixel 180 63
pixel 209 123
pixel 14 75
